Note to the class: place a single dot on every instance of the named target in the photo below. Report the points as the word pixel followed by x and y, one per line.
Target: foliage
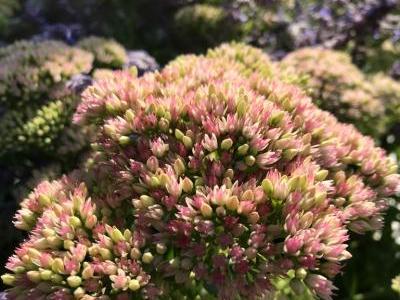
pixel 7 9
pixel 200 25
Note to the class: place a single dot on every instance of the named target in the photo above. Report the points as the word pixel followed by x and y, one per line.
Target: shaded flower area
pixel 205 181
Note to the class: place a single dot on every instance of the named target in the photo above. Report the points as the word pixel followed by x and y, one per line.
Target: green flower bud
pixel 134 285
pixel 226 144
pixel 267 186
pixel 74 281
pixel 147 257
pixel 8 279
pixel 242 150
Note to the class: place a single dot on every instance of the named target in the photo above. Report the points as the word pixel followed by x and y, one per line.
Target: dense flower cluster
pixel 28 70
pixel 107 52
pixel 35 128
pixel 338 86
pixel 251 59
pixel 204 182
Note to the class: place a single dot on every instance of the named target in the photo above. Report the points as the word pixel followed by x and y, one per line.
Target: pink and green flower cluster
pixel 338 86
pixel 30 70
pixel 205 183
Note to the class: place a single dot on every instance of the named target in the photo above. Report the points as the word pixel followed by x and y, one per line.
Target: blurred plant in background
pixel 340 87
pixel 107 52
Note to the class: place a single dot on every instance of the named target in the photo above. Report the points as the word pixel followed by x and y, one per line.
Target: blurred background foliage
pixel 349 62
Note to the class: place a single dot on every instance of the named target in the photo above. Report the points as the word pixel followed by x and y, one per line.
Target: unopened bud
pixel 179 134
pixel 206 210
pixel 226 144
pixel 45 275
pixel 87 272
pixel 232 203
pixel 124 140
pixel 79 293
pixel 250 160
pixel 90 221
pixel 8 279
pixel 187 185
pixel 56 278
pixel 301 273
pixel 179 167
pixel 105 253
pixel 116 235
pixel 146 200
pixel 267 186
pixel 75 222
pixel 248 195
pixel 320 197
pixel 135 253
pixel 44 200
pixel 229 174
pixel 154 181
pixel 33 276
pixel 321 175
pixel 74 281
pixel 161 248
pixel 58 265
pixel 187 141
pixel 221 212
pixel 242 150
pixel 147 257
pixel 134 285
pixel 251 253
pixel 254 217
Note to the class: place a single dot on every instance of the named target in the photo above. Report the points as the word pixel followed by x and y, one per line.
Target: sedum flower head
pixel 204 183
pixel 107 53
pixel 336 85
pixel 251 59
pixel 34 129
pixel 30 70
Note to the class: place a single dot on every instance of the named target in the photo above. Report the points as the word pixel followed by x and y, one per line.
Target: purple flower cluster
pixel 204 181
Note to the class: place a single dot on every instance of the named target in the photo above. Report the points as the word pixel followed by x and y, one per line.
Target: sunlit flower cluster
pixel 29 70
pixel 107 52
pixel 252 59
pixel 336 85
pixel 205 183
